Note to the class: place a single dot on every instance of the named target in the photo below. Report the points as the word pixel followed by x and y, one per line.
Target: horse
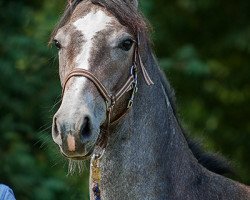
pixel 119 110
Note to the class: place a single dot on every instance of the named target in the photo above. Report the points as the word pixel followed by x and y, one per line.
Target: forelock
pixel 126 13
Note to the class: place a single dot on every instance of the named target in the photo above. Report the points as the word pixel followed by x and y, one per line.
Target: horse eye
pixel 57 44
pixel 126 44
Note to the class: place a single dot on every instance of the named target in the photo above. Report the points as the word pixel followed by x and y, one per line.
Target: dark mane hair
pixel 212 161
pixel 129 16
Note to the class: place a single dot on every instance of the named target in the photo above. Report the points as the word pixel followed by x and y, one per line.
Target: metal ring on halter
pixel 99 155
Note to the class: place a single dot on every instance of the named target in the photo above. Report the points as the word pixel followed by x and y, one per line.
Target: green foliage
pixel 203 46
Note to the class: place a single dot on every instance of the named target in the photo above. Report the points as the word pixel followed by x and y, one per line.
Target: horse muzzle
pixel 76 140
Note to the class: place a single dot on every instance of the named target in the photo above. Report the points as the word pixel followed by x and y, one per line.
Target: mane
pixel 212 161
pixel 129 16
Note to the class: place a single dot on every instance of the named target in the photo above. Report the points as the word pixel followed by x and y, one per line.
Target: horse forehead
pixel 92 23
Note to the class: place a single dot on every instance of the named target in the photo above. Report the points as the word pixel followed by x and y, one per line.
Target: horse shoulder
pixel 210 185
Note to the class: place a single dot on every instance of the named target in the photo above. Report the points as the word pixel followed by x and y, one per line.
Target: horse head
pixel 97 55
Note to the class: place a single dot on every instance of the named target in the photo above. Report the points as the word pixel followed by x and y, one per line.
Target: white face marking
pixel 90 25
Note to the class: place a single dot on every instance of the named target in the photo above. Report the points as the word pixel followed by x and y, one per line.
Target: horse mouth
pixel 79 157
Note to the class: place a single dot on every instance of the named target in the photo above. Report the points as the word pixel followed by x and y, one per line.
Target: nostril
pixel 55 128
pixel 86 128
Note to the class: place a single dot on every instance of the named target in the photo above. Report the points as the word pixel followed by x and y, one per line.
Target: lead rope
pixel 96 174
pixel 95 163
pixel 96 178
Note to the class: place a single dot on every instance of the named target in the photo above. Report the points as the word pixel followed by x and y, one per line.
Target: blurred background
pixel 202 45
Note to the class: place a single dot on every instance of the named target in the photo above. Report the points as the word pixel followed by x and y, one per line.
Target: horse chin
pixel 80 157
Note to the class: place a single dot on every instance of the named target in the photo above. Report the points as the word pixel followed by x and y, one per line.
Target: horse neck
pixel 147 149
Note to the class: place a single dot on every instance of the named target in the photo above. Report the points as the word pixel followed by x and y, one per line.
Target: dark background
pixel 203 46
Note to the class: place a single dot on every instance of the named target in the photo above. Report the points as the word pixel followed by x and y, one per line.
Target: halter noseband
pixel 111 99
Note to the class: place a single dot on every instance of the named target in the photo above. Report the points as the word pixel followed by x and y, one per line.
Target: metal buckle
pixel 130 103
pixel 132 69
pixel 107 105
pixel 133 73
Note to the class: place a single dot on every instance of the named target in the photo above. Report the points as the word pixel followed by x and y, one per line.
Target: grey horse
pixel 118 108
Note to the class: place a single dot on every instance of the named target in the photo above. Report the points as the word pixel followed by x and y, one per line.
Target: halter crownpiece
pixel 144 71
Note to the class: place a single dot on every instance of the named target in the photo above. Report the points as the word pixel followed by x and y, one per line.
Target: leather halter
pixel 111 99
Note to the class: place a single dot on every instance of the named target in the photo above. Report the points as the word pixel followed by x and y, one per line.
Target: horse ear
pixel 135 3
